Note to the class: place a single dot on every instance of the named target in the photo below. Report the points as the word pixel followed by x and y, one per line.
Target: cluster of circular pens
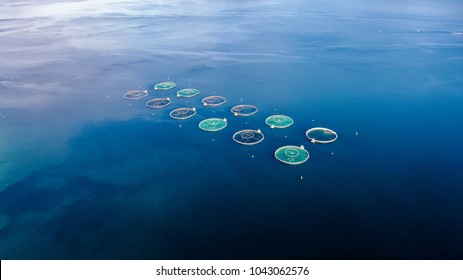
pixel 286 154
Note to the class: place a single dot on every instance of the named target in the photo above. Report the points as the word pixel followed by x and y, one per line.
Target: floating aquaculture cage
pixel 164 86
pixel 244 110
pixel 214 100
pixel 248 137
pixel 183 113
pixel 213 124
pixel 321 135
pixel 292 154
pixel 187 92
pixel 279 121
pixel 135 94
pixel 158 103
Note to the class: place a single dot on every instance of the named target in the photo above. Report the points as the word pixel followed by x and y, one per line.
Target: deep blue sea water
pixel 86 174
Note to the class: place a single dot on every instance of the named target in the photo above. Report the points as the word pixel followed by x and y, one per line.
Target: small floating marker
pixel 302 178
pixel 272 126
pixel 252 156
pixel 275 109
pixel 213 112
pixel 130 104
pixel 313 120
pixel 356 133
pixel 236 114
pixel 302 146
pixel 224 119
pixel 194 109
pixel 241 99
pixel 205 104
pixel 259 131
pixel 286 136
pixel 152 114
pixel 213 139
pixel 332 153
pixel 178 95
pixel 107 96
pixel 245 122
pixel 179 125
pixel 379 31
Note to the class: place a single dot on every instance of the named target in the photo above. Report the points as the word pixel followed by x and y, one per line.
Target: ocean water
pixel 87 174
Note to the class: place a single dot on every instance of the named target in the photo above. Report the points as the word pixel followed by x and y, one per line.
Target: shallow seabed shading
pixel 87 174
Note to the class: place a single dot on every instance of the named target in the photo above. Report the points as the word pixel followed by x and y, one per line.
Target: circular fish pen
pixel 279 121
pixel 135 94
pixel 183 113
pixel 213 124
pixel 248 137
pixel 158 103
pixel 187 92
pixel 321 135
pixel 214 100
pixel 244 110
pixel 164 86
pixel 292 155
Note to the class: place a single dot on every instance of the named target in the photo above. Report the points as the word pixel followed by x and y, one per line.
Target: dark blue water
pixel 86 174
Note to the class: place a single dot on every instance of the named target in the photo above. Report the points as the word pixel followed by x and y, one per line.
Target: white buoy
pixel 356 133
pixel 179 125
pixel 332 153
pixel 194 109
pixel 213 139
pixel 205 104
pixel 252 156
pixel 302 178
pixel 236 114
pixel 224 119
pixel 259 131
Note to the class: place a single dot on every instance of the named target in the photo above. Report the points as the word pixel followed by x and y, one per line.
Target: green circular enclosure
pixel 279 121
pixel 292 154
pixel 213 124
pixel 158 103
pixel 214 100
pixel 187 92
pixel 183 113
pixel 135 94
pixel 321 135
pixel 164 86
